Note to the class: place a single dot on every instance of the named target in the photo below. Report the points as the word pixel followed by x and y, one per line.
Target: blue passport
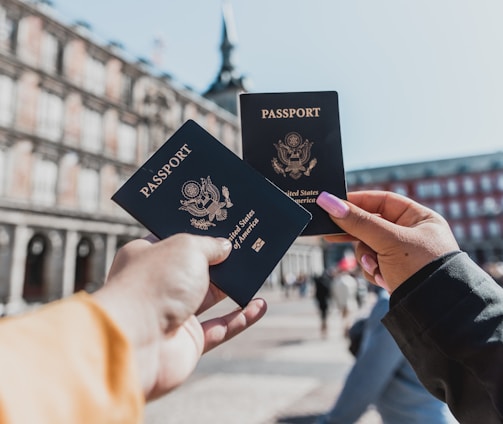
pixel 194 184
pixel 294 140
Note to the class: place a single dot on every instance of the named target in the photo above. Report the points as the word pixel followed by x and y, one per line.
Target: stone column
pixel 22 235
pixel 110 250
pixel 69 262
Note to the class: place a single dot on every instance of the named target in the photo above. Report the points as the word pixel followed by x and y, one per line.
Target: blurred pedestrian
pixel 323 294
pixel 345 291
pixel 302 284
pixel 288 283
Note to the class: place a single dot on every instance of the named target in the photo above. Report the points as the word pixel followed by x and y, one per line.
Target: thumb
pixel 368 227
pixel 216 249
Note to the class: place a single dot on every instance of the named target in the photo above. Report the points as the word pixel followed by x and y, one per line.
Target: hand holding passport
pixel 194 184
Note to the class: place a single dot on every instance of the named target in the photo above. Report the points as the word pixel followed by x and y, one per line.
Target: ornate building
pixel 76 120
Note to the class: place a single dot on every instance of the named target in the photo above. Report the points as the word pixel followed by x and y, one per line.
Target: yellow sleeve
pixel 67 362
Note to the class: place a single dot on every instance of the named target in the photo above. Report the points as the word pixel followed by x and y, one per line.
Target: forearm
pixel 67 362
pixel 450 328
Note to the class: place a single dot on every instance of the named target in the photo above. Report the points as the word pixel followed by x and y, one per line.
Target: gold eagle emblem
pixel 294 154
pixel 202 200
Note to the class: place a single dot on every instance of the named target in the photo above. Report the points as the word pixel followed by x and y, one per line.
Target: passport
pixel 194 184
pixel 294 140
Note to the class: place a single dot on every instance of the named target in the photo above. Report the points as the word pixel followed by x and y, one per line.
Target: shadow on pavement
pixel 300 419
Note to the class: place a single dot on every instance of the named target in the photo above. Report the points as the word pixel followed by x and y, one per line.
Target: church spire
pixel 229 38
pixel 228 83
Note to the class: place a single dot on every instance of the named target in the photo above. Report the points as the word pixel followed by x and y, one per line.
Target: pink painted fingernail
pixel 333 205
pixel 369 264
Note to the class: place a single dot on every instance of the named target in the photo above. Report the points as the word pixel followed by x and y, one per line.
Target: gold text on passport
pixel 300 112
pixel 248 223
pixel 165 170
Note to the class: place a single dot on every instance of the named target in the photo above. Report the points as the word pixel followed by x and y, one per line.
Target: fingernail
pixel 333 205
pixel 226 244
pixel 369 264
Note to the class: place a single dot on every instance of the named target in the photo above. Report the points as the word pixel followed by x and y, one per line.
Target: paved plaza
pixel 280 371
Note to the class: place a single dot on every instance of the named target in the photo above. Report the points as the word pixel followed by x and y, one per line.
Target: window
pixel 6 100
pixel 439 207
pixel 3 170
pixel 469 185
pixel 459 231
pixel 127 89
pixel 499 182
pixel 490 206
pixel 44 182
pixel 50 115
pixel 494 229
pixel 92 130
pixel 476 231
pixel 52 53
pixel 455 209
pixel 8 32
pixel 400 189
pixel 127 143
pixel 452 187
pixel 486 183
pixel 95 76
pixel 428 189
pixel 472 208
pixel 88 190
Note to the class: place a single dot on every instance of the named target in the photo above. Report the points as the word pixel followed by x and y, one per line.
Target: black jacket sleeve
pixel 448 322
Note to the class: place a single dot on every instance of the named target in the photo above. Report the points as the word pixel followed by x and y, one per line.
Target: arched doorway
pixel 35 269
pixel 83 264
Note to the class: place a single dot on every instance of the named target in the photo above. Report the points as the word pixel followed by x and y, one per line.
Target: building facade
pixel 76 120
pixel 467 191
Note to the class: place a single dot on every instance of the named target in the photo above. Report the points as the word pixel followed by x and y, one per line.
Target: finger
pixel 340 238
pixel 128 252
pixel 368 261
pixel 151 238
pixel 371 226
pixel 219 330
pixel 216 249
pixel 213 296
pixel 391 206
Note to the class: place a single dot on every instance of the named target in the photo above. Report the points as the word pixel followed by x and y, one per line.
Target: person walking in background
pixel 302 284
pixel 382 376
pixel 323 294
pixel 345 291
pixel 288 283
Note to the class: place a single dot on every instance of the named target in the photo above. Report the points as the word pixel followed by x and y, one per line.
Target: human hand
pixel 395 236
pixel 154 291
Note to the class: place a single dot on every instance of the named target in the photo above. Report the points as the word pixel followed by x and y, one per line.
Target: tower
pixel 228 83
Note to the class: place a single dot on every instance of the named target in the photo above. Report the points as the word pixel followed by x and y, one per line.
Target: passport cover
pixel 194 184
pixel 294 140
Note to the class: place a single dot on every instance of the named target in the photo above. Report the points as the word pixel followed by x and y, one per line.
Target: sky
pixel 417 80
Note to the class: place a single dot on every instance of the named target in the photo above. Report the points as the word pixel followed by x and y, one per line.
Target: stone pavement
pixel 280 371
